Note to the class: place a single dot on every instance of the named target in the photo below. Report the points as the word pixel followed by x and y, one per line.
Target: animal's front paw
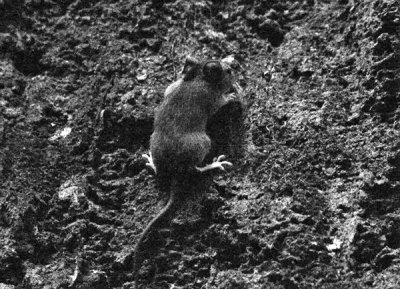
pixel 150 162
pixel 217 163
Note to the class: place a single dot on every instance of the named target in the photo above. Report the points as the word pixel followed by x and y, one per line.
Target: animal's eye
pixel 213 71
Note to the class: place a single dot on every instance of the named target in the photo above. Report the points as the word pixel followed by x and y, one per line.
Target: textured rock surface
pixel 313 200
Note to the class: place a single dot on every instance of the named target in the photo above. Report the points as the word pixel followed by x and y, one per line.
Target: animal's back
pixel 179 153
pixel 179 141
pixel 184 110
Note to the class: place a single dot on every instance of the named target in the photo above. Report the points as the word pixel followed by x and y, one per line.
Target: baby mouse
pixel 179 142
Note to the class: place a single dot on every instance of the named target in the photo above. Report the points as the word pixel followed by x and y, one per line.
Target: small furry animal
pixel 179 142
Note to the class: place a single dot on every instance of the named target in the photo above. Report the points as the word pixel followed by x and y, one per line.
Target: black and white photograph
pixel 199 144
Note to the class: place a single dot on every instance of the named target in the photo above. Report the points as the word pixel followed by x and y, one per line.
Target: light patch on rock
pixel 336 244
pixel 61 133
pixel 70 190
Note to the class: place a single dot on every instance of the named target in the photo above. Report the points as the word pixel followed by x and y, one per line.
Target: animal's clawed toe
pixel 218 163
pixel 150 162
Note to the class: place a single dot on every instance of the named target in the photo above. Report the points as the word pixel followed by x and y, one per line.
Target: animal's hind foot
pixel 150 162
pixel 217 163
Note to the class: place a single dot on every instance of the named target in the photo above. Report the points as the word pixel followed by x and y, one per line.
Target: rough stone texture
pixel 313 199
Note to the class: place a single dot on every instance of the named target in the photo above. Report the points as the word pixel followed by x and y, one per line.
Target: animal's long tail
pixel 165 214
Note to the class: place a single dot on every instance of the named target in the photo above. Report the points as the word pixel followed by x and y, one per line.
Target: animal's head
pixel 215 73
pixel 212 75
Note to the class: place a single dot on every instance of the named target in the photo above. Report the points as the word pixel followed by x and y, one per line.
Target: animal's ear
pixel 213 71
pixel 189 68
